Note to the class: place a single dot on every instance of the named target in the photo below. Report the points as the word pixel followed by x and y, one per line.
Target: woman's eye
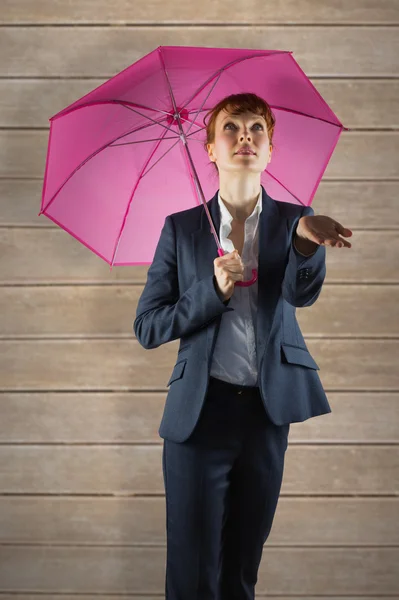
pixel 230 123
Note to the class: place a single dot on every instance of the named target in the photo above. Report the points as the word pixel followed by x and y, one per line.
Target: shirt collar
pixel 226 217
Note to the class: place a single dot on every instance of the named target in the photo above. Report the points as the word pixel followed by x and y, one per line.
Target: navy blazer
pixel 180 300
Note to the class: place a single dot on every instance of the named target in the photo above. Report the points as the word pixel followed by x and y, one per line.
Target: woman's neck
pixel 240 210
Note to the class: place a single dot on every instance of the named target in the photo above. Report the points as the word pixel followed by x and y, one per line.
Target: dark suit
pixel 224 450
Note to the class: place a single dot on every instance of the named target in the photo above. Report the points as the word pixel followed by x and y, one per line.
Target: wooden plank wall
pixel 82 506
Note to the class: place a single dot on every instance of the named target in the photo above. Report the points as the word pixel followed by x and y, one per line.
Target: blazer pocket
pixel 178 371
pixel 298 356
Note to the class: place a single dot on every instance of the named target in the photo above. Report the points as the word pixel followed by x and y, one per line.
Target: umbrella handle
pixel 243 283
pixel 250 281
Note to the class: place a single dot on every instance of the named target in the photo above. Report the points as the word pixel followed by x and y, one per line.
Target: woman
pixel 243 371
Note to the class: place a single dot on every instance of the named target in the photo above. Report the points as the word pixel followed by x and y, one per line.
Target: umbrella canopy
pixel 131 152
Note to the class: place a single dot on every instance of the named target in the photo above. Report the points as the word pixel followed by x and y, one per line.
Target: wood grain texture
pixel 136 469
pixel 101 311
pixel 161 596
pixel 134 417
pixel 104 51
pixel 31 102
pixel 32 256
pixel 124 12
pixel 126 521
pixel 307 571
pixel 122 364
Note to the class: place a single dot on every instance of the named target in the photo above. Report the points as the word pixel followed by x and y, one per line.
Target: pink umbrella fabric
pixel 131 152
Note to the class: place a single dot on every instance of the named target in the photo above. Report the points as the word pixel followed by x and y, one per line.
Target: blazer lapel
pixel 271 263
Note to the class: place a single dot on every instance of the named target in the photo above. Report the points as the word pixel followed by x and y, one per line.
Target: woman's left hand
pixel 323 230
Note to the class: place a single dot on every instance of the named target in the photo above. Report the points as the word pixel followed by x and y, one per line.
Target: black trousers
pixel 222 487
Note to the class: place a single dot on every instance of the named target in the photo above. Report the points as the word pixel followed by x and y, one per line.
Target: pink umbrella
pixel 131 152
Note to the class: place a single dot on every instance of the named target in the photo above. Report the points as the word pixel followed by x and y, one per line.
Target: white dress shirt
pixel 234 358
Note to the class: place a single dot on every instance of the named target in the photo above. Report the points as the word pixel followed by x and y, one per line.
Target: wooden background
pixel 82 506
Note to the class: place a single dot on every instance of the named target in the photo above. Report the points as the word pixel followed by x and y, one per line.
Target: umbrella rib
pixel 140 176
pixel 87 159
pixel 128 105
pixel 125 103
pixel 147 117
pixel 206 98
pixel 298 112
pixel 168 150
pixel 232 63
pixel 192 173
pixel 283 186
pixel 273 106
pixel 162 138
pixel 158 122
pixel 161 157
pixel 173 98
pixel 174 106
pixel 143 141
pixel 155 140
pixel 225 67
pixel 109 144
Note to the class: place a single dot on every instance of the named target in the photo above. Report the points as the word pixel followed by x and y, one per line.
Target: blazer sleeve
pixel 304 275
pixel 162 313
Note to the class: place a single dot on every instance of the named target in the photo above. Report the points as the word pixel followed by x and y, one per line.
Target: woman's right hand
pixel 228 269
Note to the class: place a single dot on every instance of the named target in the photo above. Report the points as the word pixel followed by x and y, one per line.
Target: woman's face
pixel 233 132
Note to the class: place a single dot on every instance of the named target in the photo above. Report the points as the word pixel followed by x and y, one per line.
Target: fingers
pixel 343 243
pixel 236 276
pixel 232 268
pixel 232 265
pixel 337 242
pixel 342 230
pixel 234 273
pixel 231 259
